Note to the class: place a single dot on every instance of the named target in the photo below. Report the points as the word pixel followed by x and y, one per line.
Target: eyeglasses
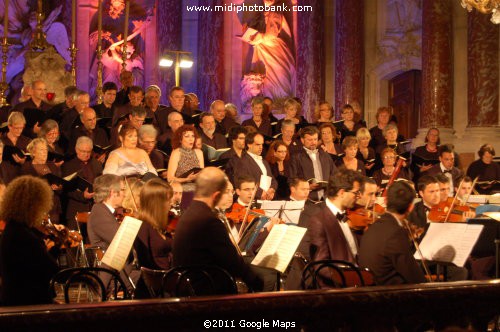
pixel 390 157
pixel 356 193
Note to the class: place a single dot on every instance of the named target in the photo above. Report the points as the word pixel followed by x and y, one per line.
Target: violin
pixel 450 210
pixel 238 211
pixel 63 238
pixel 360 218
pixel 121 213
pixel 173 219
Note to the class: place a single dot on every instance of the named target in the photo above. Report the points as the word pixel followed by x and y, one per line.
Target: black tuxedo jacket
pixel 246 165
pixel 386 251
pixel 98 136
pixel 201 239
pixel 327 239
pixel 301 166
pixel 456 173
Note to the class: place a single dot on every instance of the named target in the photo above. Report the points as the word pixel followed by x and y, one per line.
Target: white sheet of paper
pixel 122 243
pixel 265 182
pixel 449 242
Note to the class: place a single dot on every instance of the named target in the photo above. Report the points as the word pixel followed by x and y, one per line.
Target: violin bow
pixel 453 202
pixel 247 211
pixel 466 199
pixel 131 194
pixel 415 243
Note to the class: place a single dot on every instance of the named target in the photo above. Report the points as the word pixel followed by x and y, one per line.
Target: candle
pixel 6 19
pixel 99 25
pixel 125 32
pixel 73 21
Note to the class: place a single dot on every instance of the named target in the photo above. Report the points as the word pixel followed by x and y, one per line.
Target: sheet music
pixel 291 210
pixel 279 247
pixel 119 249
pixel 449 242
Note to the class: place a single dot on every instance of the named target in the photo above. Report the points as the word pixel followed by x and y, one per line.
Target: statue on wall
pixel 251 86
pixel 22 23
pixel 273 51
pixel 113 22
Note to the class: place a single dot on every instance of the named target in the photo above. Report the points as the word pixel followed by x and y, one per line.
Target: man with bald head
pixel 88 128
pixel 202 239
pixel 36 102
pixel 222 122
pixel 174 120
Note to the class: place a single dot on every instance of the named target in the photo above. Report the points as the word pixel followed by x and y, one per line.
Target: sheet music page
pixel 449 242
pixel 493 215
pixel 291 210
pixel 279 247
pixel 122 243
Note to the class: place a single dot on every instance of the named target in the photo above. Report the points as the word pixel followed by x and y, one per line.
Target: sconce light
pixel 182 60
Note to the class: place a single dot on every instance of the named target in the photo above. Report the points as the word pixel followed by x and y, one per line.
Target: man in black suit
pixel 331 237
pixel 385 248
pixel 56 112
pixel 136 97
pixel 251 163
pixel 126 80
pixel 312 163
pixel 107 108
pixel 88 128
pixel 202 239
pixel 109 192
pixel 71 118
pixel 174 122
pixel 209 135
pixel 430 191
pixel 223 123
pixel 236 136
pixel 446 166
pixel 88 168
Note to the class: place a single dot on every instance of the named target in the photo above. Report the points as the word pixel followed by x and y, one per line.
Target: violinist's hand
pixel 59 227
pixel 58 164
pixel 273 221
pixel 87 195
pixel 18 159
pixel 56 187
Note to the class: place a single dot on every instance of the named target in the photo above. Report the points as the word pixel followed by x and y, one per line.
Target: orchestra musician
pixel 430 192
pixel 385 248
pixel 331 236
pixel 109 192
pixel 201 238
pixel 24 259
pixel 153 244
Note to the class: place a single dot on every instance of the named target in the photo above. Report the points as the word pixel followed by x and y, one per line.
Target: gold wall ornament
pixel 39 41
pixel 485 7
pixel 3 84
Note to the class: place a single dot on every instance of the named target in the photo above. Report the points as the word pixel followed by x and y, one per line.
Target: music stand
pixel 289 211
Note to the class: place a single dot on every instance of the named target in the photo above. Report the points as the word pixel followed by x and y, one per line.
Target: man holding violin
pixel 446 166
pixel 331 237
pixel 430 192
pixel 461 196
pixel 362 214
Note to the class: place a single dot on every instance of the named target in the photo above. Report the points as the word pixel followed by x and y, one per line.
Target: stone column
pixel 437 64
pixel 349 54
pixel 482 82
pixel 169 38
pixel 482 70
pixel 310 56
pixel 210 54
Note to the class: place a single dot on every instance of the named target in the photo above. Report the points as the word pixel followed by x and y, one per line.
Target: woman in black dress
pixel 26 266
pixel 349 127
pixel 486 169
pixel 349 161
pixel 365 152
pixel 258 120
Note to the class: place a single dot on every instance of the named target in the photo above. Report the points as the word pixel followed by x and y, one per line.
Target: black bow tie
pixel 447 171
pixel 341 217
